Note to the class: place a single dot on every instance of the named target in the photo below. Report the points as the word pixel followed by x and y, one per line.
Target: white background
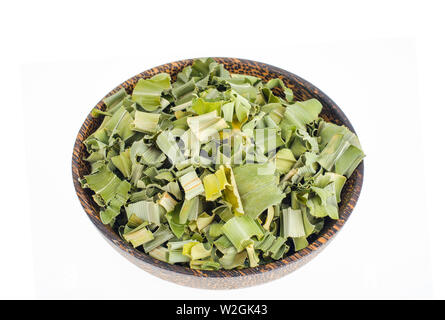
pixel 381 62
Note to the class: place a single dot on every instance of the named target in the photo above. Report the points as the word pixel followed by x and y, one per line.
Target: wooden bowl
pixel 224 279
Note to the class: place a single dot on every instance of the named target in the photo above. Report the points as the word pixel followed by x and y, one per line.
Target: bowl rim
pixel 313 247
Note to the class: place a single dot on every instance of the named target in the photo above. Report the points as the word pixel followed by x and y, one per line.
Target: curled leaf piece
pixel 341 149
pixel 104 183
pixel 119 125
pixel 147 211
pixel 300 243
pixel 200 106
pixel 176 249
pixel 113 209
pixel 330 177
pixel 115 101
pixel 324 202
pixel 279 83
pixel 191 184
pixel 231 193
pixel 224 212
pixel 145 122
pixel 278 248
pixel 301 113
pixel 257 188
pixel 196 251
pixel 269 218
pixel 167 202
pixel 139 235
pixel 267 139
pixel 240 230
pixel 271 246
pixel 253 256
pixel 147 92
pixel 275 111
pixel 214 184
pixel 167 143
pixel 190 210
pixel 143 154
pixel 233 259
pixel 123 163
pixel 161 235
pixel 206 127
pixel 176 227
pixel 159 253
pixel 284 160
pixel 292 223
pixel 227 110
pixel 204 220
pixel 205 265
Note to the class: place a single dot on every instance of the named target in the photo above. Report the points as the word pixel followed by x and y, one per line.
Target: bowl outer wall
pixel 222 279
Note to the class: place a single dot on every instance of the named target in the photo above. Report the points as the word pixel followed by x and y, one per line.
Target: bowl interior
pixel 302 89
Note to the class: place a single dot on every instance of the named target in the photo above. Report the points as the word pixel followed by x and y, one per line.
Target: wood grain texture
pixel 224 279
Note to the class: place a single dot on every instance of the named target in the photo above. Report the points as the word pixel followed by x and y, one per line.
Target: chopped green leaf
pixel 216 170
